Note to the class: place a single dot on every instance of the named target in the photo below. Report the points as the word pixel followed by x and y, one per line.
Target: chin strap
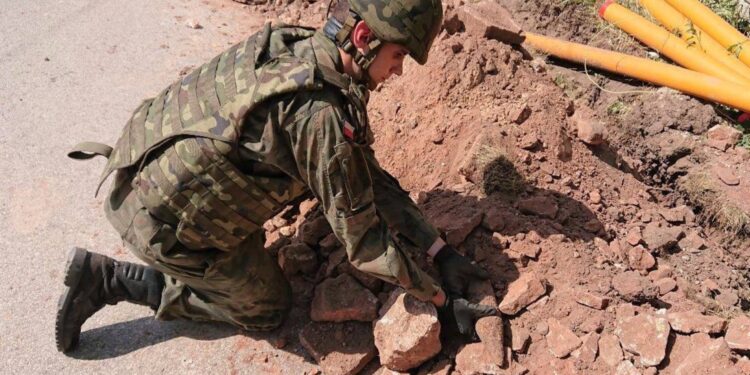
pixel 340 33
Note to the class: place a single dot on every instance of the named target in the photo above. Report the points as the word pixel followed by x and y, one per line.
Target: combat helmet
pixel 413 24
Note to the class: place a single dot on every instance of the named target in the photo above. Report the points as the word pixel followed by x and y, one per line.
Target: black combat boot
pixel 93 280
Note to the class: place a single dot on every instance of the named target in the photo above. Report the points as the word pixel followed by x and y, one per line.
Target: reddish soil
pixel 485 128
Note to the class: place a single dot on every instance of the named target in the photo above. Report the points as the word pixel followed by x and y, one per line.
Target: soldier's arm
pixel 398 209
pixel 337 172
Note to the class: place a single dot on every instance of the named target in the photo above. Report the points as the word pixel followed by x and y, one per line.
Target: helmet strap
pixel 340 33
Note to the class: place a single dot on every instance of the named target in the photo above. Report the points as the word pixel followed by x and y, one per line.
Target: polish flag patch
pixel 348 131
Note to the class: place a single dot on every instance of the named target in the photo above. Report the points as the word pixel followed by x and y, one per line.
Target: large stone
pixel 491 335
pixel 590 130
pixel 723 137
pixel 407 333
pixel 476 359
pixel 297 258
pixel 738 333
pixel 339 348
pixel 561 341
pixel 635 288
pixel 708 356
pixel 543 206
pixel 486 19
pixel 646 336
pixel 342 299
pixel 609 350
pixel 692 321
pixel 658 238
pixel 640 259
pixel 458 227
pixel 522 292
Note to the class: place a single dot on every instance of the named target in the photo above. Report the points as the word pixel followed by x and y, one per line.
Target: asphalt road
pixel 71 71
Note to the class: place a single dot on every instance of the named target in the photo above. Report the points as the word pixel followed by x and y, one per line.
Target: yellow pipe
pixel 731 39
pixel 664 42
pixel 693 35
pixel 685 80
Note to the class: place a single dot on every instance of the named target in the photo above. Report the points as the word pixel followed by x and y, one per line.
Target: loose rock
pixel 543 206
pixel 476 359
pixel 491 335
pixel 521 293
pixel 312 231
pixel 520 340
pixel 640 259
pixel 708 357
pixel 610 350
pixel 666 285
pixel 738 333
pixel 342 299
pixel 635 288
pixel 592 300
pixel 589 348
pixel 590 130
pixel 342 348
pixel 627 368
pixel 561 341
pixel 658 238
pixel 693 321
pixel 407 333
pixel 457 228
pixel 645 335
pixel 297 258
pixel 722 137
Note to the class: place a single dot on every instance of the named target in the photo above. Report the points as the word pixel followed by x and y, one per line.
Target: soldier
pixel 200 167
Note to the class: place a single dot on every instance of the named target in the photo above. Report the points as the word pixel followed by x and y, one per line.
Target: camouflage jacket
pixel 306 137
pixel 224 149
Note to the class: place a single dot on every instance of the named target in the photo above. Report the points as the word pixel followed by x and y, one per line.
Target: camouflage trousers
pixel 244 287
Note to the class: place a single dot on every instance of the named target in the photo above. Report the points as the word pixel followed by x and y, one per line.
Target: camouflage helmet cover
pixel 413 24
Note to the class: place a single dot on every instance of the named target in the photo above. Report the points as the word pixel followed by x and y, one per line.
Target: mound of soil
pixel 619 226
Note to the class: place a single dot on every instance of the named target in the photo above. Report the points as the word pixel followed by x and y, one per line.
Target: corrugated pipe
pixel 693 35
pixel 666 43
pixel 685 80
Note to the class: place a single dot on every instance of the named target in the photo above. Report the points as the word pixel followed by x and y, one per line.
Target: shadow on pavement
pixel 122 338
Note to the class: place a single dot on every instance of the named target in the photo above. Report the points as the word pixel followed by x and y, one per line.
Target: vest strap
pixel 88 150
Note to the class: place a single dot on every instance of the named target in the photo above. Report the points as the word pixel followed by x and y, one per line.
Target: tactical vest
pixel 182 172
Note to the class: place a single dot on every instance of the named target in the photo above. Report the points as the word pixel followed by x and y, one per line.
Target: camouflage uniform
pixel 313 139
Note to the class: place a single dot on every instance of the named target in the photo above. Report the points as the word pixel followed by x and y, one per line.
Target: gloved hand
pixel 462 314
pixel 457 271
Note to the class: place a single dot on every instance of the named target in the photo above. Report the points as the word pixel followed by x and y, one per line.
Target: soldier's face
pixel 388 61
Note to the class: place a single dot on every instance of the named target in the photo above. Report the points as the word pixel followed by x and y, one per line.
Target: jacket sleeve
pixel 397 208
pixel 338 173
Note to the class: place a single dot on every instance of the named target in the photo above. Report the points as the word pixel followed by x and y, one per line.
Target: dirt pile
pixel 589 209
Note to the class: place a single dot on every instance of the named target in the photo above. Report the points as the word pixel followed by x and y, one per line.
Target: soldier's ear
pixel 361 35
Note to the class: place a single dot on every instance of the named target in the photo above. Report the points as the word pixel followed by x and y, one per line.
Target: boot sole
pixel 73 273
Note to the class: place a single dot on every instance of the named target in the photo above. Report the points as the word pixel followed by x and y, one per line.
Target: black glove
pixel 457 271
pixel 462 314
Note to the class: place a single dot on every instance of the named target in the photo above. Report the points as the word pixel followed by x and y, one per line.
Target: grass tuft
pixel 716 208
